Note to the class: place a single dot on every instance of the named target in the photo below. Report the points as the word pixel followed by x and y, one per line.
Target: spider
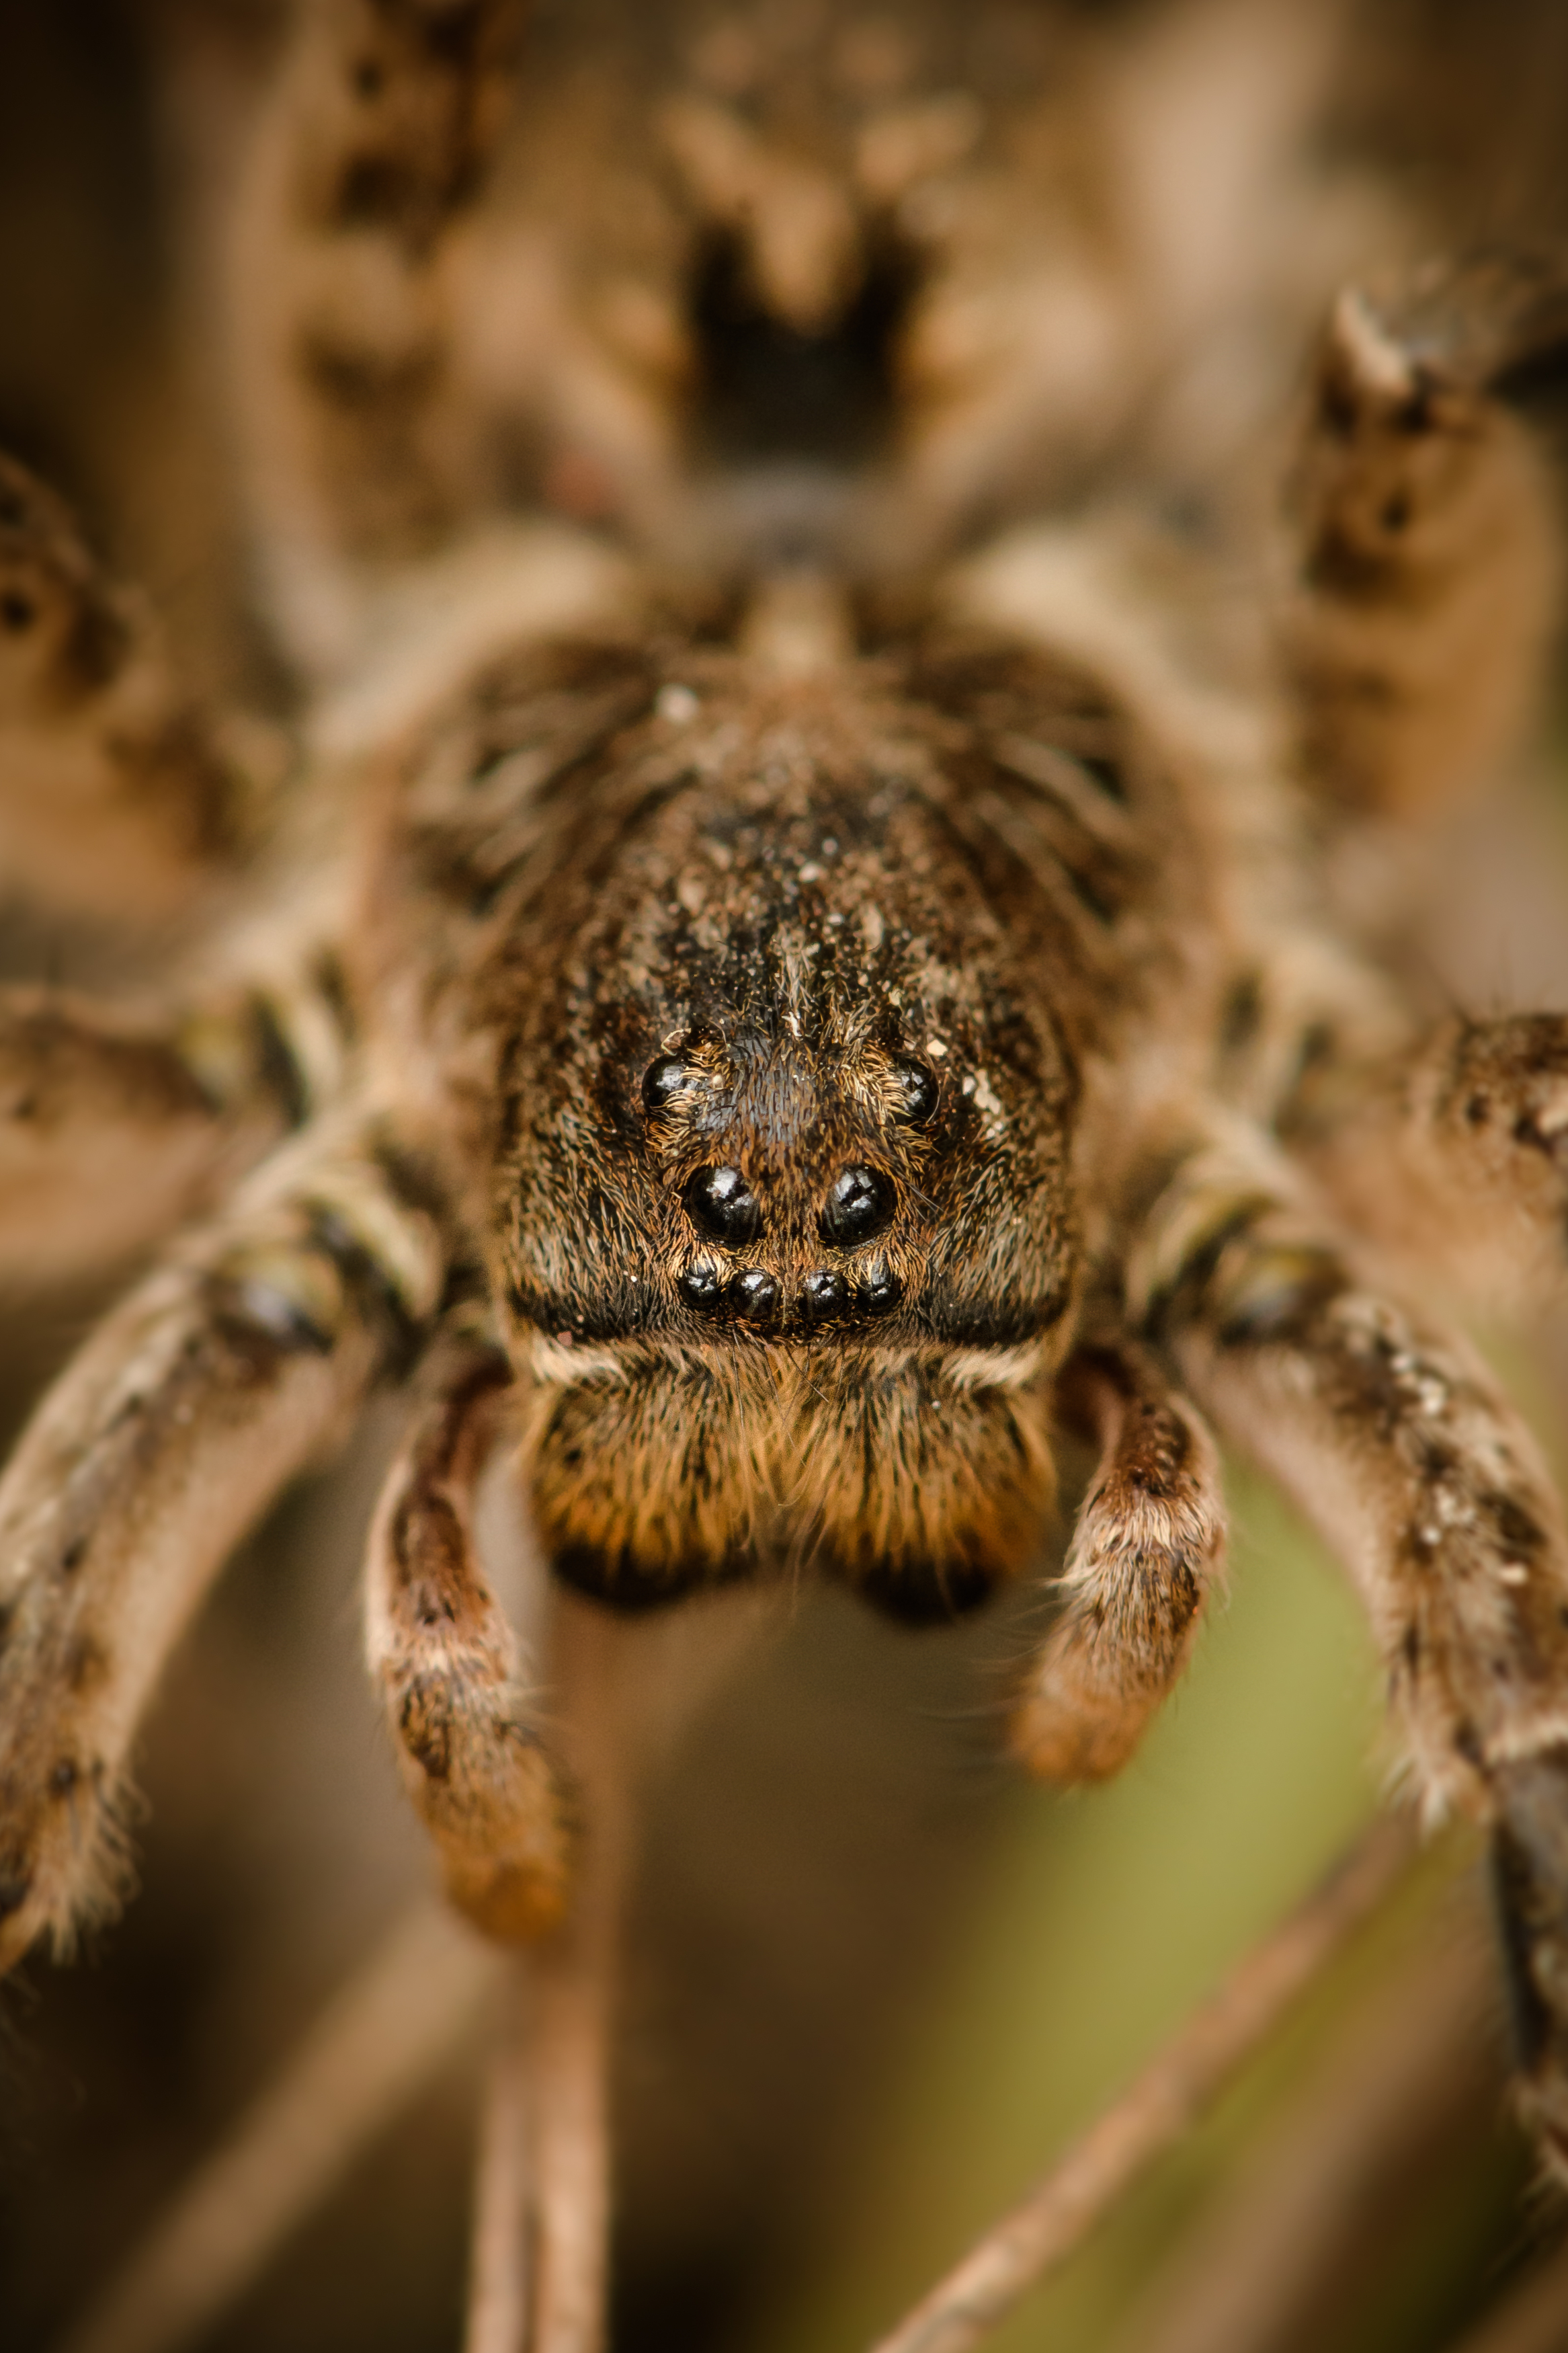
pixel 796 952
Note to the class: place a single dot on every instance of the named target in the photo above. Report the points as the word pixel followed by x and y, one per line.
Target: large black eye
pixel 861 1203
pixel 723 1205
pixel 917 1092
pixel 662 1080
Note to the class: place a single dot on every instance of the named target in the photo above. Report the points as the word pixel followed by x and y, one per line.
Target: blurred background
pixel 875 1983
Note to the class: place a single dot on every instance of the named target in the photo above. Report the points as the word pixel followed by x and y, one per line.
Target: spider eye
pixel 917 1092
pixel 721 1202
pixel 824 1294
pixel 755 1295
pixel 881 1291
pixel 860 1203
pixel 701 1287
pixel 662 1081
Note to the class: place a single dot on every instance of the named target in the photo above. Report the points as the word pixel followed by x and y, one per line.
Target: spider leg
pixel 217 1379
pixel 449 1668
pixel 368 156
pixel 119 791
pixel 1454 1153
pixel 1396 1444
pixel 114 1127
pixel 1150 1536
pixel 1426 540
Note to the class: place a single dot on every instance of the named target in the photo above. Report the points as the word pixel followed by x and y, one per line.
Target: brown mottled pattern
pixel 790 889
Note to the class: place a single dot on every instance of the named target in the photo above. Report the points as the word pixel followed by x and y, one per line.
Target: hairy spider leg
pixel 228 1370
pixel 451 1672
pixel 122 793
pixel 115 1127
pixel 1453 1153
pixel 1428 541
pixel 1149 1541
pixel 366 163
pixel 1394 1442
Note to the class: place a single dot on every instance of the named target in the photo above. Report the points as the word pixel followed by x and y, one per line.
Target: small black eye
pixel 880 1292
pixel 756 1295
pixel 723 1205
pixel 17 612
pixel 662 1080
pixel 824 1293
pixel 861 1203
pixel 917 1092
pixel 701 1287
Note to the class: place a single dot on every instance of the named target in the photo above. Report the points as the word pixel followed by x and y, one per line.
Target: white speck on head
pixel 678 704
pixel 1513 1572
pixel 1451 1507
pixel 937 1046
pixel 811 873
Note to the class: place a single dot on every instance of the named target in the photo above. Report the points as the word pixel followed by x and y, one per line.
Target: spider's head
pixel 822 1333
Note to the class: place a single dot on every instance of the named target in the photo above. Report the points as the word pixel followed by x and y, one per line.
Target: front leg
pixel 198 1398
pixel 449 1666
pixel 1148 1540
pixel 1425 517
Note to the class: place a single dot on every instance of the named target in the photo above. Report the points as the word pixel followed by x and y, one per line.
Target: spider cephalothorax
pixel 780 1152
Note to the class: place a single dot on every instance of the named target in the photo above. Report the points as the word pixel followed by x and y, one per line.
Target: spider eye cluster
pixel 723 1205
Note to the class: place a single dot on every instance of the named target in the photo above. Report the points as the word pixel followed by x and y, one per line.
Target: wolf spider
pixel 753 988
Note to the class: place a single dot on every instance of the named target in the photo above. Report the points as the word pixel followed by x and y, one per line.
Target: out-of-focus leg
pixel 1455 1154
pixel 119 791
pixel 226 1372
pixel 368 157
pixel 1426 532
pixel 114 1127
